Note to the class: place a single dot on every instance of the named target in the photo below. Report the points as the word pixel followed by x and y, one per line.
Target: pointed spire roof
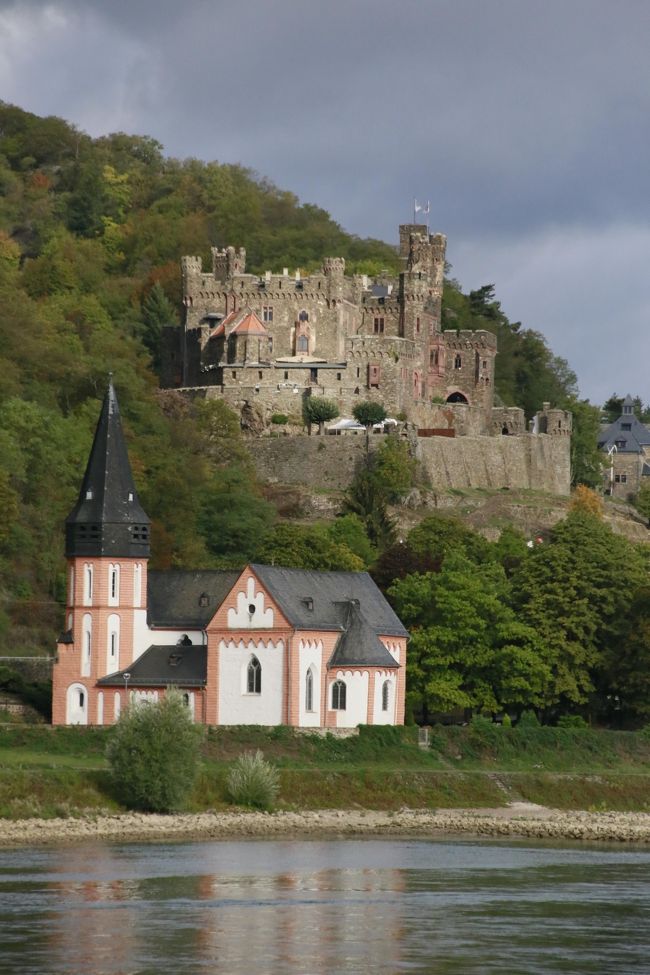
pixel 108 519
pixel 359 645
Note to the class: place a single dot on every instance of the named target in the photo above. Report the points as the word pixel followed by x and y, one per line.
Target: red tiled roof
pixel 249 325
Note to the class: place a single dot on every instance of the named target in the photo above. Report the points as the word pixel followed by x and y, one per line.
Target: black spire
pixel 108 518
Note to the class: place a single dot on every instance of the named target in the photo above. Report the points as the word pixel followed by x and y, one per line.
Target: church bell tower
pixel 107 550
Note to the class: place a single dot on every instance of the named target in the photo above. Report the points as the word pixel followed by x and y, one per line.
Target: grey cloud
pixel 514 117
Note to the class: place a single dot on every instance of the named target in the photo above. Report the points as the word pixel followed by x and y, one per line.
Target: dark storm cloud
pixel 524 122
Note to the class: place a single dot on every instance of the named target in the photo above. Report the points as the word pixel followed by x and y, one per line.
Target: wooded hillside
pixel 91 232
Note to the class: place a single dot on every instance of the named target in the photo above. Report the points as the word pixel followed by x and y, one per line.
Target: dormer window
pixel 308 603
pixel 204 600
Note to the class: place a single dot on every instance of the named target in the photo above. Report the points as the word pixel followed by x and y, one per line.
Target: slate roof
pixel 177 597
pixel 108 518
pixel 330 594
pixel 634 439
pixel 180 666
pixel 359 645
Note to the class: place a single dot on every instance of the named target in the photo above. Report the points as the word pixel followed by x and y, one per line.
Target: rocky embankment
pixel 516 820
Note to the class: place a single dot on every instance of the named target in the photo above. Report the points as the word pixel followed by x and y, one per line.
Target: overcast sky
pixel 524 122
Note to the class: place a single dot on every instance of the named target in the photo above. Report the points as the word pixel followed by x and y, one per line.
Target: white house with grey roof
pixel 263 645
pixel 626 444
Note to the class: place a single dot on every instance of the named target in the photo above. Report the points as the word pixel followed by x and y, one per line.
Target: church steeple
pixel 108 519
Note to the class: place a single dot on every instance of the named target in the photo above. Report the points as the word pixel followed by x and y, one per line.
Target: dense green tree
pixel 368 413
pixel 317 409
pixel 626 664
pixel 307 547
pixel 468 649
pixel 153 753
pixel 586 458
pixel 439 536
pixel 157 314
pixel 575 591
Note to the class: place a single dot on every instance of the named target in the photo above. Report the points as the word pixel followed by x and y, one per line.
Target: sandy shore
pixel 518 819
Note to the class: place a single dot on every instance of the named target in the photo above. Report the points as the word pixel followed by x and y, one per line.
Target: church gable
pixel 248 606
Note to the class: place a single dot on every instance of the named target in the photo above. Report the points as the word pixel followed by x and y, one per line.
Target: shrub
pixel 572 721
pixel 506 721
pixel 528 719
pixel 279 419
pixel 154 753
pixel 252 781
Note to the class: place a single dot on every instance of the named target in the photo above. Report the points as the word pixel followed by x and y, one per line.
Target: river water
pixel 335 907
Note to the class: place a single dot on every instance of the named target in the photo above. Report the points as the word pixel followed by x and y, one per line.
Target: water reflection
pixel 310 907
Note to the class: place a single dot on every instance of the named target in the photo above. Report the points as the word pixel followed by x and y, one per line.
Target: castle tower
pixel 107 549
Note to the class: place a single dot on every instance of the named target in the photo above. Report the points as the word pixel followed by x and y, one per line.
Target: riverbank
pixel 517 819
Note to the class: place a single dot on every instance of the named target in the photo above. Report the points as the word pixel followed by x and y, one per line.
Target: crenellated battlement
pixel 228 262
pixel 345 337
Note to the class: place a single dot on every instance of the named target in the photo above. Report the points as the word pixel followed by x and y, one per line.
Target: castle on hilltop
pixel 264 343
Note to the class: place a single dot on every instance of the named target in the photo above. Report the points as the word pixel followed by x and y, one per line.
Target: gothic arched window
pixel 338 695
pixel 309 691
pixel 254 677
pixel 385 695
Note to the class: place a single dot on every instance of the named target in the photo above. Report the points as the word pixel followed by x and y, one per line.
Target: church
pixel 262 645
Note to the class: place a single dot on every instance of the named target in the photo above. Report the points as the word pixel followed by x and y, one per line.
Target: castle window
pixel 338 376
pixel 234 374
pixel 254 677
pixel 309 691
pixel 485 363
pixel 286 374
pixel 303 317
pixel 385 695
pixel 302 343
pixel 259 375
pixel 458 362
pixel 374 375
pixel 620 478
pixel 417 325
pixel 358 372
pixel 379 325
pixel 267 313
pixel 338 695
pixel 433 357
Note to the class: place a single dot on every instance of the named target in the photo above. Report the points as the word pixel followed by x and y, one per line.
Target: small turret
pixel 108 519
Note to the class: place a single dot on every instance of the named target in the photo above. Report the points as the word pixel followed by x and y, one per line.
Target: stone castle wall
pixel 535 462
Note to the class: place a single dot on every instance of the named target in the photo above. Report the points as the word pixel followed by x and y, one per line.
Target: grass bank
pixel 52 772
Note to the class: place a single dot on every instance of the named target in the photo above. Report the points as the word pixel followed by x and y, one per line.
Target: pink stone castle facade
pixel 264 645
